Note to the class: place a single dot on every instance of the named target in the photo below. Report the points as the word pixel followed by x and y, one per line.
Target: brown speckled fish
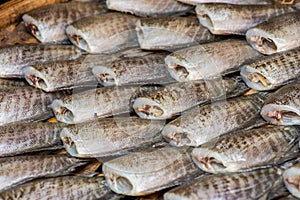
pixel 105 33
pixel 236 19
pixel 278 34
pixel 238 2
pixel 147 8
pixel 48 24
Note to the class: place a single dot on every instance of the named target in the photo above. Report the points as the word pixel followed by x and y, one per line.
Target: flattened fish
pixel 8 83
pixel 278 34
pixel 105 33
pixel 291 178
pixel 48 23
pixel 210 60
pixel 283 106
pixel 238 2
pixel 236 19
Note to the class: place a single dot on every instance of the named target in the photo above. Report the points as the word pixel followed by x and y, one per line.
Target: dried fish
pixel 247 149
pixel 147 8
pixel 65 187
pixel 278 34
pixel 105 33
pixel 255 184
pixel 48 23
pixel 272 71
pixel 110 136
pixel 283 106
pixel 209 60
pixel 149 69
pixel 9 83
pixel 145 172
pixel 13 58
pixel 178 97
pixel 170 33
pixel 19 169
pixel 236 19
pixel 291 178
pixel 32 137
pixel 238 2
pixel 199 124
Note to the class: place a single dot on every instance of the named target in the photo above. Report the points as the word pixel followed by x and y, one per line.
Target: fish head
pixel 149 109
pixel 68 137
pixel 177 136
pixel 34 27
pixel 77 38
pixel 36 78
pixel 176 66
pixel 291 178
pixel 62 111
pixel 205 18
pixel 104 75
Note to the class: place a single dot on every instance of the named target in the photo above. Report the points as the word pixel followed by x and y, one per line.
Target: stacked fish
pixel 153 98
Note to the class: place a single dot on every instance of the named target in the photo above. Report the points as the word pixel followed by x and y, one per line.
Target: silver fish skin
pixel 283 106
pixel 107 33
pixel 14 58
pixel 170 33
pixel 149 69
pixel 278 34
pixel 110 136
pixel 172 99
pixel 235 2
pixel 145 172
pixel 247 149
pixel 272 71
pixel 208 61
pixel 22 138
pixel 64 187
pixel 149 8
pixel 227 19
pixel 48 23
pixel 291 178
pixel 25 104
pixel 94 103
pixel 20 169
pixel 255 184
pixel 198 125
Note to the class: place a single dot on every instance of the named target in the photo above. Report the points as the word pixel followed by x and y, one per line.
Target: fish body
pixel 237 2
pixel 210 60
pixel 278 34
pixel 8 83
pixel 48 23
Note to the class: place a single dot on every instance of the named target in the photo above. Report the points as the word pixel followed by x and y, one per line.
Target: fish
pixel 272 71
pixel 247 149
pixel 208 61
pixel 149 8
pixel 225 19
pixel 64 187
pixel 110 136
pixel 283 106
pixel 94 103
pixel 31 137
pixel 235 2
pixel 9 83
pixel 256 184
pixel 145 172
pixel 149 69
pixel 107 33
pixel 278 34
pixel 25 104
pixel 171 33
pixel 48 23
pixel 198 125
pixel 20 169
pixel 14 58
pixel 297 5
pixel 291 178
pixel 172 99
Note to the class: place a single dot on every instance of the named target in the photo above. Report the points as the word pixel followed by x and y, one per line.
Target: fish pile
pixel 185 99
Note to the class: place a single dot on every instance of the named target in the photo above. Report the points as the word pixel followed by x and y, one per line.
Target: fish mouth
pixel 148 109
pixel 177 69
pixel 67 139
pixel 261 42
pixel 255 79
pixel 104 75
pixel 206 21
pixel 62 113
pixel 176 137
pixel 35 78
pixel 208 163
pixel 33 29
pixel 79 41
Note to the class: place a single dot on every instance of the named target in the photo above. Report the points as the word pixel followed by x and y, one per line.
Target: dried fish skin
pixel 170 33
pixel 149 69
pixel 291 179
pixel 107 33
pixel 283 106
pixel 141 173
pixel 48 23
pixel 224 19
pixel 198 125
pixel 273 71
pixel 19 169
pixel 64 187
pixel 255 184
pixel 246 149
pixel 149 8
pixel 9 83
pixel 237 2
pixel 210 60
pixel 14 58
pixel 22 138
pixel 278 34
pixel 110 136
